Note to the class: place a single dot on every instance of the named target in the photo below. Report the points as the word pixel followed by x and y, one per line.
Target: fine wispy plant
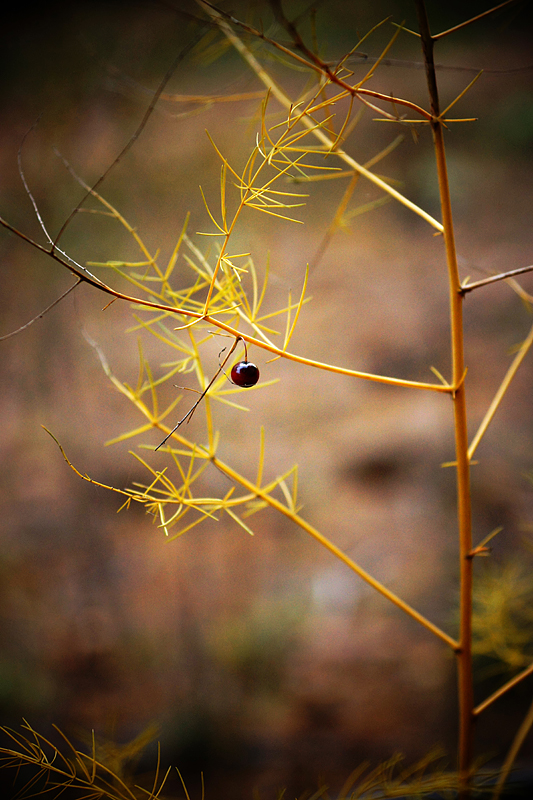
pixel 226 296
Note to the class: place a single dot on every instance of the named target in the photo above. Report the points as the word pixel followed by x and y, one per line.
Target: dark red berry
pixel 244 374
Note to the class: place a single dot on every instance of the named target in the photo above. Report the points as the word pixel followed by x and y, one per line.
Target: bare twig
pixel 498 397
pixel 502 276
pixel 35 207
pixel 464 512
pixel 364 58
pixel 148 113
pixel 190 412
pixel 39 316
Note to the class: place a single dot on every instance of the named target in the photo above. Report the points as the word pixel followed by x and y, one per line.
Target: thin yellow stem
pixel 209 99
pixel 264 494
pixel 464 656
pixel 511 372
pixel 325 542
pixel 462 94
pixel 502 690
pixel 329 367
pixel 469 21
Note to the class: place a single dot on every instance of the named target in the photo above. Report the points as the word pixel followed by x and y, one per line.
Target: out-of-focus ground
pixel 263 661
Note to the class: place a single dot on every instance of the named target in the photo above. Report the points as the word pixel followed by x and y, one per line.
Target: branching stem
pixel 464 654
pixel 328 143
pixel 196 316
pixel 191 411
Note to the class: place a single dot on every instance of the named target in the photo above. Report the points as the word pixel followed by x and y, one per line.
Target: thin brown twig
pixel 502 276
pixel 364 58
pixel 148 113
pixel 34 203
pixel 39 316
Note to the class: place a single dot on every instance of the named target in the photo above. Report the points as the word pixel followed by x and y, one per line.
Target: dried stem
pixel 518 741
pixel 191 411
pixel 41 315
pixel 502 690
pixel 467 287
pixel 498 397
pixel 308 123
pixel 148 113
pixel 464 654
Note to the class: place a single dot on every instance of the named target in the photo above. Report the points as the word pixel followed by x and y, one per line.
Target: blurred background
pixel 260 662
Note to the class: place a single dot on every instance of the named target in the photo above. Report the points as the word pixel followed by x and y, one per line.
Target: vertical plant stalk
pixel 464 514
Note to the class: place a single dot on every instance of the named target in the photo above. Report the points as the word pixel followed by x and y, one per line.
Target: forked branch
pixel 197 316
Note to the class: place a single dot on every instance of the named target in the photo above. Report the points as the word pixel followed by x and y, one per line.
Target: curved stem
pixel 257 492
pixel 196 316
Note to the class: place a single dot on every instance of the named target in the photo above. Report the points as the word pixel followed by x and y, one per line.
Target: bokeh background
pixel 260 661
